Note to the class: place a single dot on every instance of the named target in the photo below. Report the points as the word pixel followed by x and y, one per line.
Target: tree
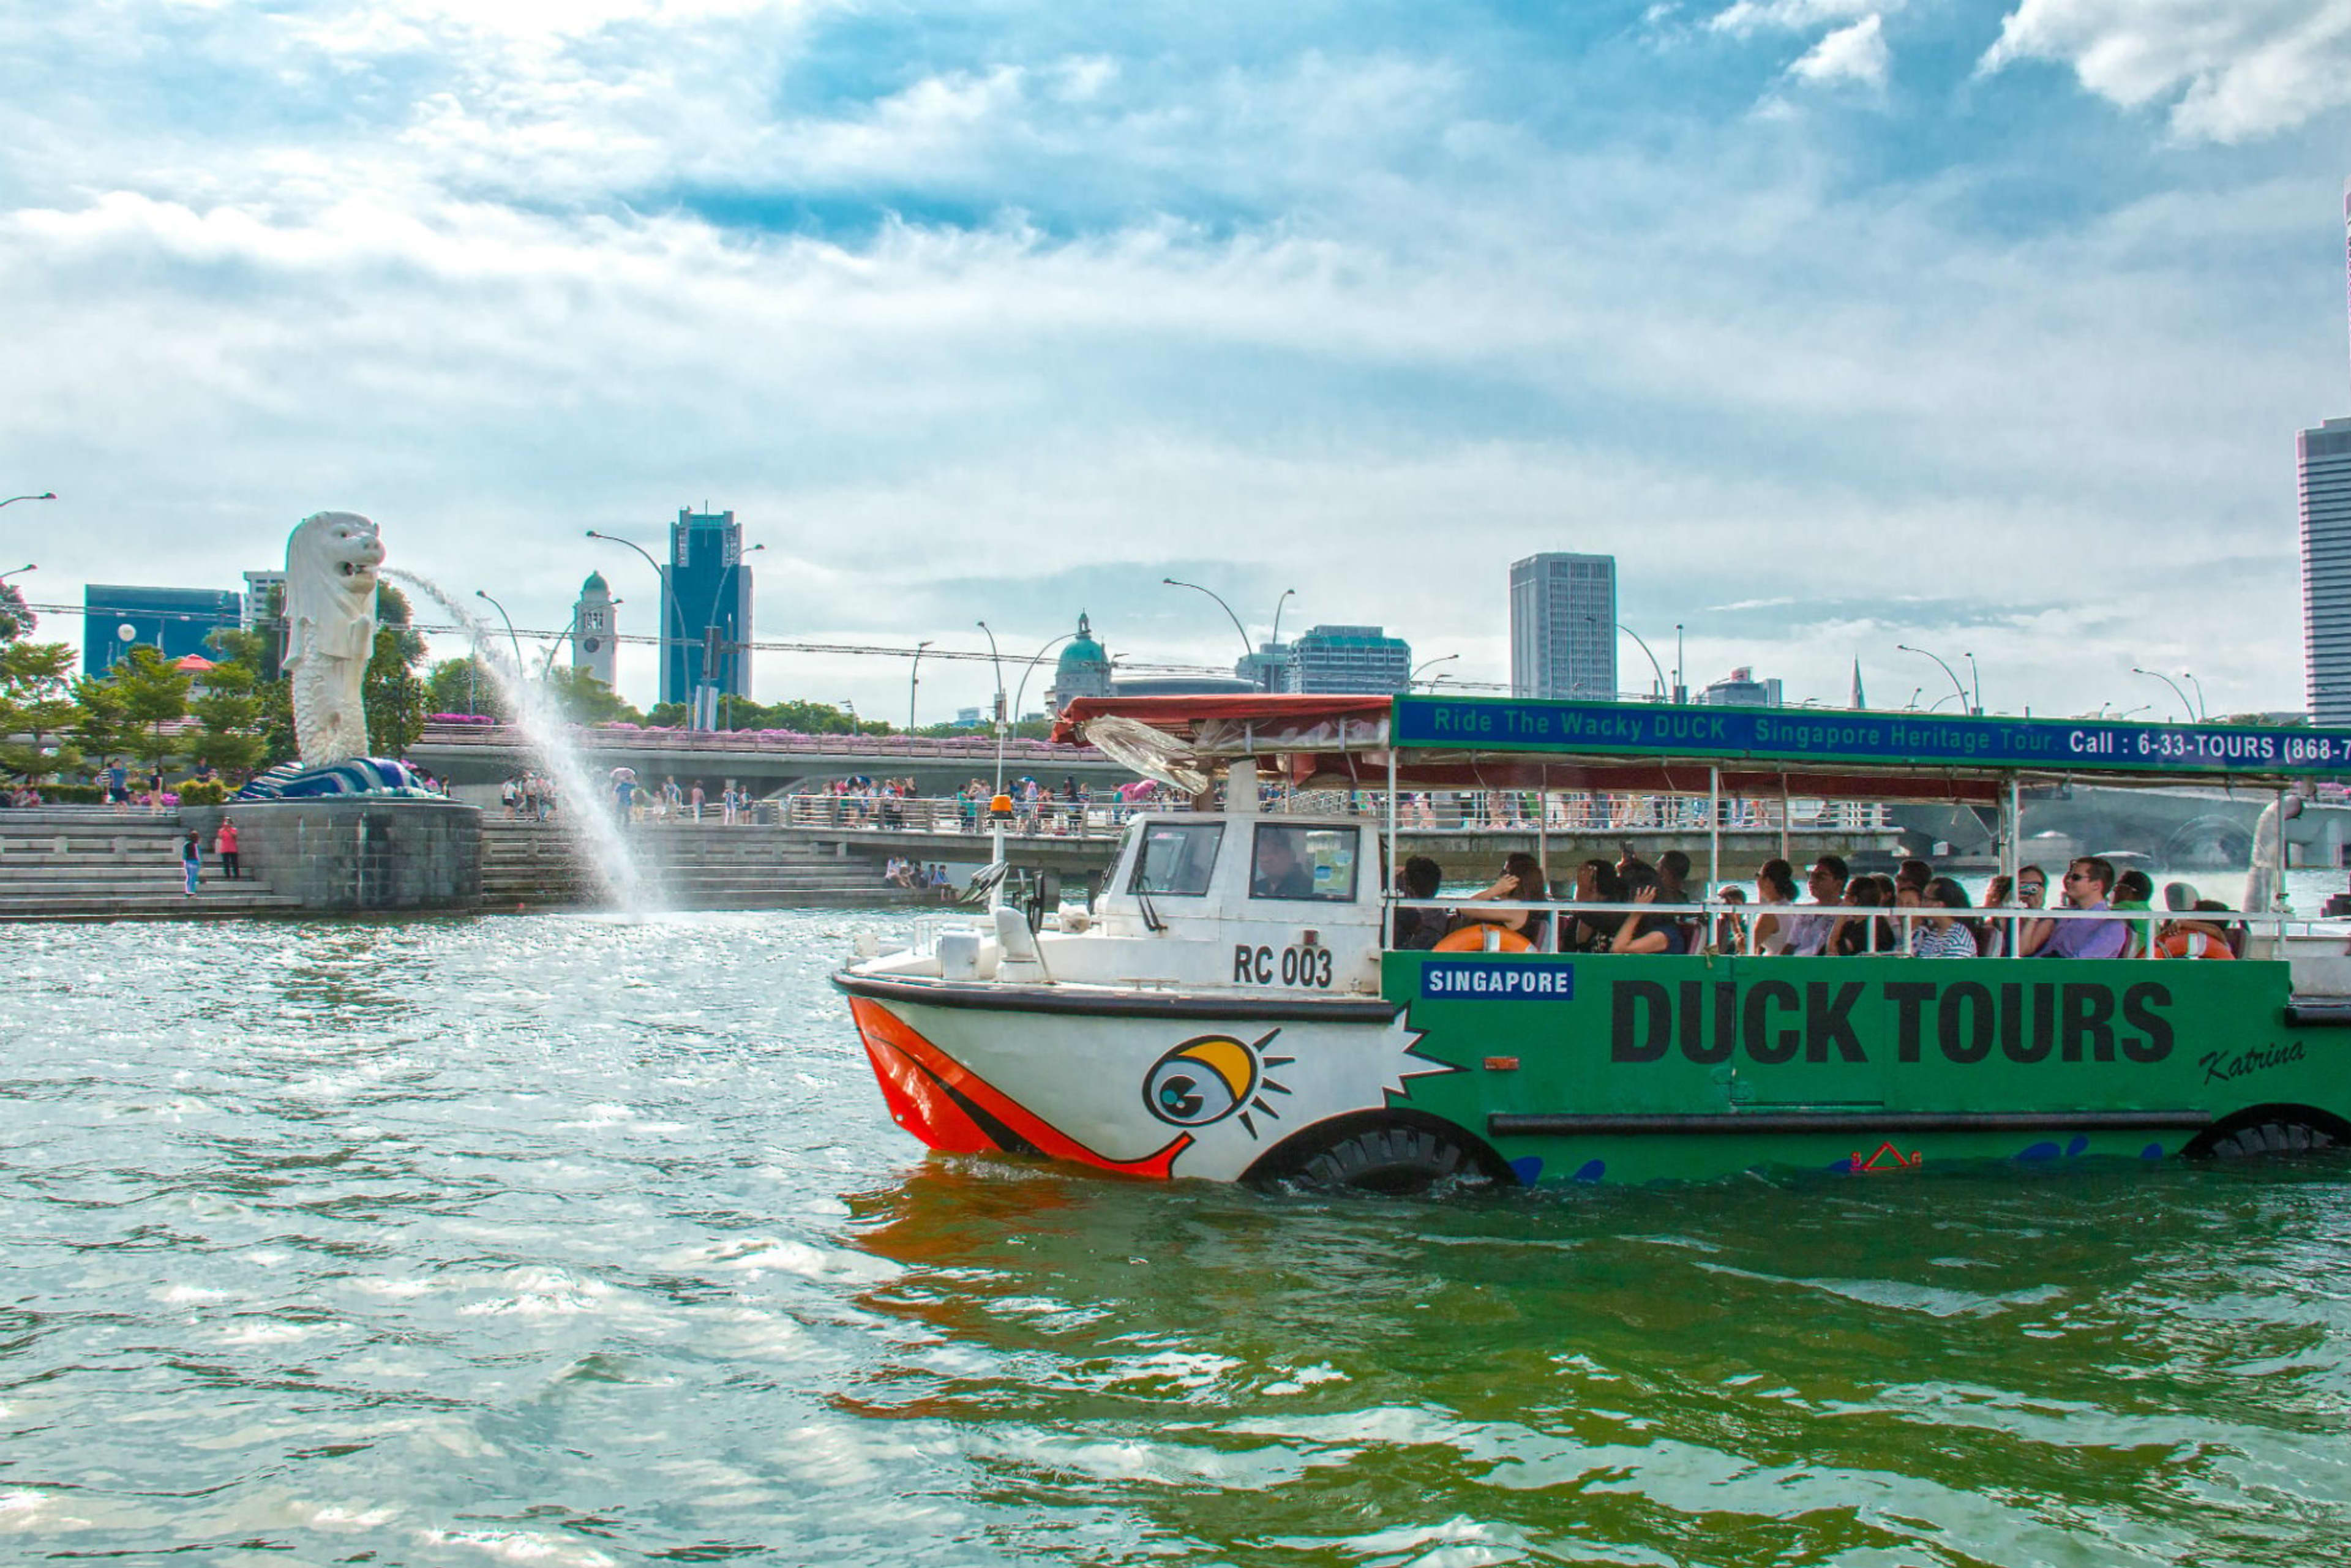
pixel 464 685
pixel 256 650
pixel 580 698
pixel 147 692
pixel 15 621
pixel 230 709
pixel 36 703
pixel 392 693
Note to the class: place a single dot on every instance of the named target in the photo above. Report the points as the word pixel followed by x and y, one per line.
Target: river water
pixel 560 1241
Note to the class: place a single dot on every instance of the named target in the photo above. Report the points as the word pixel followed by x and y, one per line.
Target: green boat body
pixel 1644 1068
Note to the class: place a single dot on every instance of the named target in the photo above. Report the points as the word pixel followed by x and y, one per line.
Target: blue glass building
pixel 175 619
pixel 708 613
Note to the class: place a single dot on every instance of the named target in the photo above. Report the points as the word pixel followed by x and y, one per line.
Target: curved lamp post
pixel 1957 686
pixel 1414 679
pixel 29 566
pixel 1654 665
pixel 2185 707
pixel 44 496
pixel 2190 677
pixel 520 669
pixel 661 575
pixel 1248 651
pixel 914 681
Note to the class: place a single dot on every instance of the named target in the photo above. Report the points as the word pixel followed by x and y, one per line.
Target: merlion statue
pixel 330 581
pixel 330 585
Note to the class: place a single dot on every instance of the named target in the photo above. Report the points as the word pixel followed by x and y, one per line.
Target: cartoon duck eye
pixel 1201 1082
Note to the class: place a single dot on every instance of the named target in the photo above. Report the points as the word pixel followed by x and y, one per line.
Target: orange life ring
pixel 1472 939
pixel 2191 945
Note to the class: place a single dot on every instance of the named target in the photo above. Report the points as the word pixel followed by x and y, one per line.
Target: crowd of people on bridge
pixel 1914 912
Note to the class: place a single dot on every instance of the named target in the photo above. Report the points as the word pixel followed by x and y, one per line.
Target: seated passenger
pixel 1731 925
pixel 1597 882
pixel 1942 934
pixel 2190 938
pixel 1914 874
pixel 1856 935
pixel 1808 934
pixel 1672 887
pixel 1418 929
pixel 1646 933
pixel 2134 889
pixel 1522 878
pixel 1775 886
pixel 2089 881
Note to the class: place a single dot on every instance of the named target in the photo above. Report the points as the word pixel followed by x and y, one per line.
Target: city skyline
pixel 1842 325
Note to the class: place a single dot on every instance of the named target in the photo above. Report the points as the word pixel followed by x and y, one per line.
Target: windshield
pixel 1176 858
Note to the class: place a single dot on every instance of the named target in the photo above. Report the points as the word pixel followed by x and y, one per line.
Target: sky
pixel 1981 326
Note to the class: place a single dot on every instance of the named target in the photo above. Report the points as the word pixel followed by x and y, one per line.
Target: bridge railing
pixel 599 737
pixel 1442 811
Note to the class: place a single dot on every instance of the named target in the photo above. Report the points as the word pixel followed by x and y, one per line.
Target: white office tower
pixel 593 629
pixel 2324 469
pixel 1563 626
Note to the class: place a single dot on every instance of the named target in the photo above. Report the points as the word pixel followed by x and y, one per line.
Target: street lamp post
pixel 44 496
pixel 1956 684
pixel 519 672
pixel 2190 677
pixel 661 575
pixel 731 647
pixel 914 681
pixel 995 822
pixel 1248 651
pixel 2154 675
pixel 1414 679
pixel 1975 679
pixel 1681 668
pixel 1658 669
pixel 29 566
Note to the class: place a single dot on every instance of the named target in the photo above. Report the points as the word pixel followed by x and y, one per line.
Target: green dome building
pixel 1083 670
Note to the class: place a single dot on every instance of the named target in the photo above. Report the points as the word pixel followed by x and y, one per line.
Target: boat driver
pixel 1279 874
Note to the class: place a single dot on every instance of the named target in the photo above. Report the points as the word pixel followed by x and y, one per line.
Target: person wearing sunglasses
pixel 2089 882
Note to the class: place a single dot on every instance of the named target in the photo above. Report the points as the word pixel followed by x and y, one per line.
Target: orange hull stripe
pixel 934 1115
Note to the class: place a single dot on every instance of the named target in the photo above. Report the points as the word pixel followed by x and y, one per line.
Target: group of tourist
pixel 901 872
pixel 1914 910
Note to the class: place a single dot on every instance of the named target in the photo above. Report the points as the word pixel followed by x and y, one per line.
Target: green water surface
pixel 564 1240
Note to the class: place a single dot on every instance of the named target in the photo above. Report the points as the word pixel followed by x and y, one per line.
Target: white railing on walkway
pixel 1466 812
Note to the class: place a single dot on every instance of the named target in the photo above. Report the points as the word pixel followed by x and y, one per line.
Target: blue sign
pixel 1828 735
pixel 1498 981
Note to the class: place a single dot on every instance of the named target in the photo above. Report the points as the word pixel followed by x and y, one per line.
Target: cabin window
pixel 1316 864
pixel 1176 858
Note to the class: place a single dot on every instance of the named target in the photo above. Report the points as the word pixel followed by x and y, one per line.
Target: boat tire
pixel 2268 1139
pixel 1393 1159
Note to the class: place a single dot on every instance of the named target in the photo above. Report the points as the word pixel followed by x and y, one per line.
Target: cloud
pixel 1015 321
pixel 1793 16
pixel 1855 54
pixel 2232 72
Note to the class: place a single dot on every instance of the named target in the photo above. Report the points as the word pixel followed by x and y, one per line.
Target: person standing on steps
pixel 191 860
pixel 224 842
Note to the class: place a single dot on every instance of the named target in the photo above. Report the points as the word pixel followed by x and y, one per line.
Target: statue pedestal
pixel 350 853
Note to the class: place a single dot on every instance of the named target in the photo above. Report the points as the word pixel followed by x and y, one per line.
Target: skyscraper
pixel 708 614
pixel 1348 659
pixel 1563 626
pixel 2323 463
pixel 593 629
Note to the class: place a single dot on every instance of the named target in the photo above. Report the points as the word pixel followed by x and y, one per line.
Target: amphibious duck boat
pixel 1230 1007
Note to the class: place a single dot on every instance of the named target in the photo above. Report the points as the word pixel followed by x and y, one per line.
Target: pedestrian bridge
pixel 766 763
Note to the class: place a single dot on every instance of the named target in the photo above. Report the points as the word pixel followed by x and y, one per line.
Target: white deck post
pixel 1713 826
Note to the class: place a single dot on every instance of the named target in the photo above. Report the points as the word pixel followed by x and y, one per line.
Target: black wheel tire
pixel 1397 1161
pixel 2268 1139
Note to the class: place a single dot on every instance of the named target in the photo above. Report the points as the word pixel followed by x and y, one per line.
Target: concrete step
pixel 207 902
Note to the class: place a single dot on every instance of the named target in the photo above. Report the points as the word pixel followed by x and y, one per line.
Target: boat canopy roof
pixel 1517 743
